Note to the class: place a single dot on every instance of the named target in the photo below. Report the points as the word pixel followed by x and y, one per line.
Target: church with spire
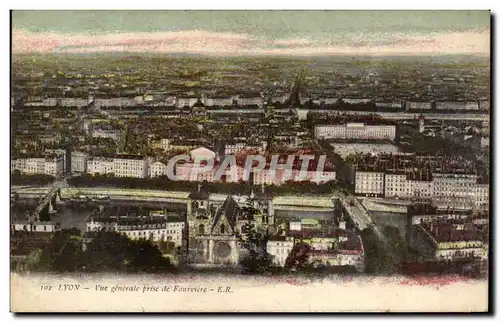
pixel 214 226
pixel 294 99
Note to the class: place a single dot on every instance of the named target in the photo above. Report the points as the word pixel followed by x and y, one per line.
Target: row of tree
pixel 163 183
pixel 17 178
pixel 106 252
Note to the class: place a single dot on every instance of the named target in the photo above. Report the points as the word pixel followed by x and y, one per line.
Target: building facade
pixel 279 247
pixel 131 166
pixel 157 169
pixel 100 166
pixel 445 187
pixel 78 162
pixel 50 165
pixel 358 131
pixel 369 183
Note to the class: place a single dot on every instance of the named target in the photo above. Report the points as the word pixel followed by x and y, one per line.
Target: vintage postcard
pixel 250 161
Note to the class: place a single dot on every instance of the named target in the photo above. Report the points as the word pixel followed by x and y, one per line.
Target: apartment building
pixel 100 166
pixel 453 185
pixel 58 152
pixel 131 166
pixel 280 176
pixel 279 247
pixel 154 228
pixel 330 248
pixel 50 165
pixel 174 232
pixel 369 183
pixel 442 186
pixel 78 162
pixel 446 240
pixel 157 169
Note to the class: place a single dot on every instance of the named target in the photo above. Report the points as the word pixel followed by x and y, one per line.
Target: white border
pixel 258 5
pixel 199 4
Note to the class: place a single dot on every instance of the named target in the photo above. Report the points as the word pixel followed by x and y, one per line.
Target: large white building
pixel 79 162
pixel 358 131
pixel 279 247
pixel 131 166
pixel 58 152
pixel 157 169
pixel 453 185
pixel 280 176
pixel 37 226
pixel 448 239
pixel 50 165
pixel 154 228
pixel 444 187
pixel 369 183
pixel 100 166
pixel 174 232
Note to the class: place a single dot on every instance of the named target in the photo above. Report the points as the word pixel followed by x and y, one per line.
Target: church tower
pixel 198 220
pixel 294 99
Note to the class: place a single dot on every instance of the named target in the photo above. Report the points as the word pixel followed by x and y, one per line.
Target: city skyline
pixel 254 33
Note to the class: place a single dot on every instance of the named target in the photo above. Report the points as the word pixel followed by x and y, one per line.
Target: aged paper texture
pixel 250 161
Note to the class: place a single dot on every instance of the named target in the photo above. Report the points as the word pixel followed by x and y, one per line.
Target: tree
pixel 63 254
pixel 254 241
pixel 298 257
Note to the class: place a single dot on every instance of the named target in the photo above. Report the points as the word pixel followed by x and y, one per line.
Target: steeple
pixel 294 99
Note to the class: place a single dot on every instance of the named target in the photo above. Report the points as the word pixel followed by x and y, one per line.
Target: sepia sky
pixel 230 33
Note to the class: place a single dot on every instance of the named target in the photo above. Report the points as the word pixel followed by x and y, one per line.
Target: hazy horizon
pixel 254 33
